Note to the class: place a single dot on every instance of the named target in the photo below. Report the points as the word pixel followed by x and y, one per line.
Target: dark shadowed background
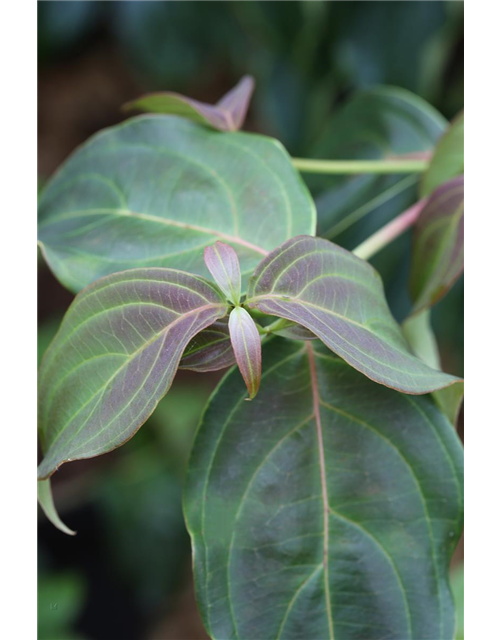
pixel 127 574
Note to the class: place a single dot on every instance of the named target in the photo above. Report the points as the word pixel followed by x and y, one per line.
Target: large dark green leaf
pixel 115 357
pixel 227 115
pixel 438 245
pixel 340 298
pixel 375 124
pixel 156 190
pixel 326 508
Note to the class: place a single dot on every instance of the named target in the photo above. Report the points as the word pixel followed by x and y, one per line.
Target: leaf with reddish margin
pixel 448 159
pixel 438 245
pixel 210 350
pixel 247 348
pixel 340 298
pixel 115 357
pixel 227 115
pixel 222 262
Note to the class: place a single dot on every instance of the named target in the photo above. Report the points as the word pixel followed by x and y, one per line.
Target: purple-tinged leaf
pixel 226 115
pixel 210 350
pixel 340 298
pixel 247 348
pixel 438 245
pixel 115 357
pixel 295 331
pixel 222 262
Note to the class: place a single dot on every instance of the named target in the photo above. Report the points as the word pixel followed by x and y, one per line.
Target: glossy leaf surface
pixel 210 350
pixel 222 262
pixel 115 357
pixel 438 245
pixel 326 508
pixel 156 190
pixel 448 159
pixel 340 298
pixel 245 340
pixel 379 123
pixel 227 115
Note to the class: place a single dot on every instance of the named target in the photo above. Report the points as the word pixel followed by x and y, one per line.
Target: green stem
pixel 390 231
pixel 307 165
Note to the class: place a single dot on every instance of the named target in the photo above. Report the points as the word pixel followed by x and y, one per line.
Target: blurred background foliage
pixel 127 575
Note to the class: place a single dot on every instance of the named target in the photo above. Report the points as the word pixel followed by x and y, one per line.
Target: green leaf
pixel 245 340
pixel 328 507
pixel 115 357
pixel 46 502
pixel 222 262
pixel 340 298
pixel 209 350
pixel 418 331
pixel 156 190
pixel 438 245
pixel 448 159
pixel 379 123
pixel 227 115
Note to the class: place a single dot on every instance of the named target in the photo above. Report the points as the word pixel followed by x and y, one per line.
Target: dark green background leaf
pixel 156 190
pixel 255 505
pixel 374 124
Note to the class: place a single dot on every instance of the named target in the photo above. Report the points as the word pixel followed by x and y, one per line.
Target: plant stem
pixel 390 231
pixel 308 165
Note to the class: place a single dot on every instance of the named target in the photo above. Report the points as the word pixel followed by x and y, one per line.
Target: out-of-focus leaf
pixel 457 588
pixel 418 331
pixel 375 124
pixel 145 535
pixel 448 159
pixel 156 190
pixel 227 115
pixel 245 340
pixel 60 601
pixel 46 501
pixel 340 298
pixel 438 245
pixel 222 262
pixel 326 496
pixel 210 350
pixel 115 357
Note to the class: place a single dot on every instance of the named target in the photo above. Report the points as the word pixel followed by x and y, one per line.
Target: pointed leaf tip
pixel 245 340
pixel 222 262
pixel 46 502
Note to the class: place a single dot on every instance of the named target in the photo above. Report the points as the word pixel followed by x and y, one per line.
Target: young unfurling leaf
pixel 247 349
pixel 222 262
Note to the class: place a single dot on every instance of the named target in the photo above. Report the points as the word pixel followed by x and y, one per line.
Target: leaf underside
pixel 326 508
pixel 245 340
pixel 340 298
pixel 209 350
pixel 156 190
pixel 115 357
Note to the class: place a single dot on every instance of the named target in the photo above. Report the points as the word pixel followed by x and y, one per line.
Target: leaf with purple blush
pixel 245 339
pixel 115 356
pixel 438 245
pixel 228 114
pixel 340 298
pixel 210 350
pixel 222 262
